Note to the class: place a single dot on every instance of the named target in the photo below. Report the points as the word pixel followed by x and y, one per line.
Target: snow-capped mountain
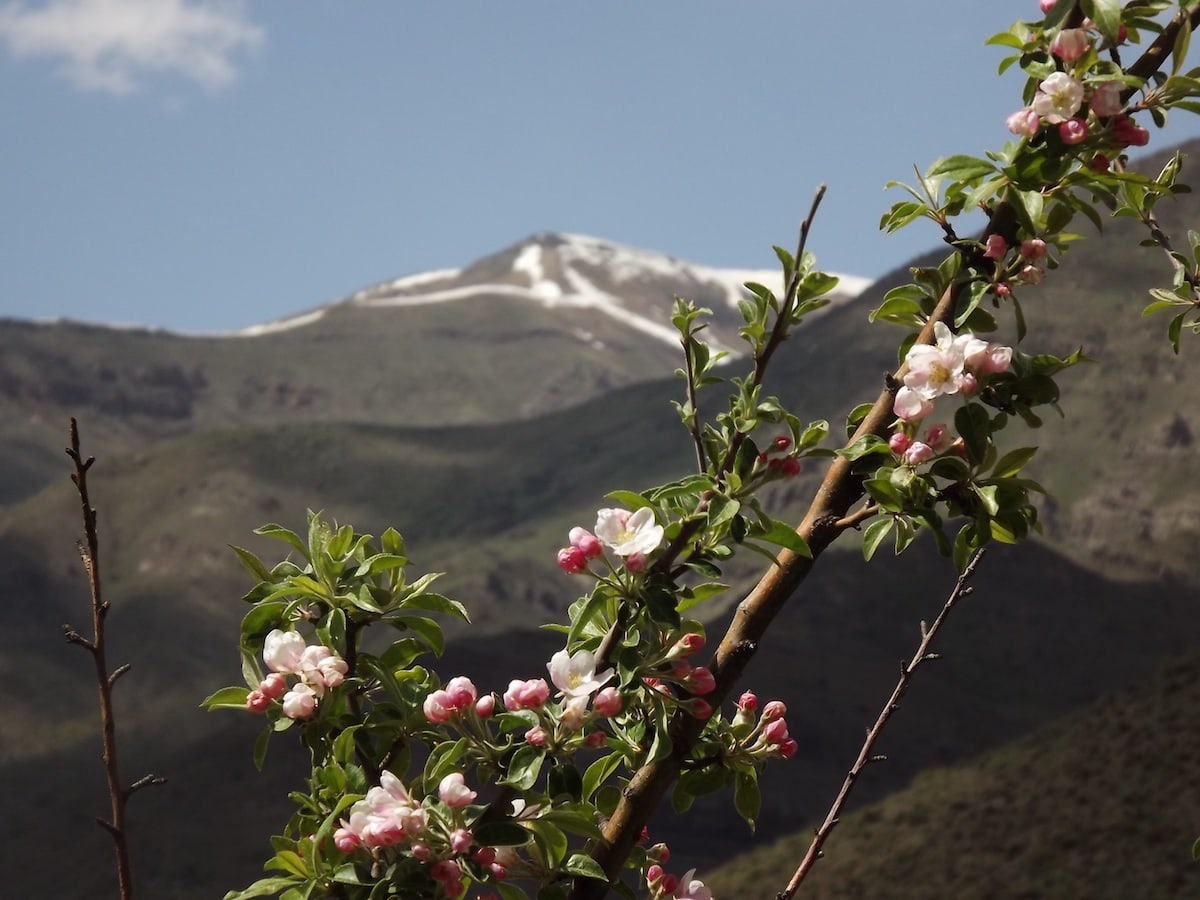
pixel 632 286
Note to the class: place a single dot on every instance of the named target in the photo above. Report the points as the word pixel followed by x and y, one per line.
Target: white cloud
pixel 111 45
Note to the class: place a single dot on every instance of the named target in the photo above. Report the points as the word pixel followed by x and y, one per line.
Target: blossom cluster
pixel 1060 98
pixel 317 667
pixel 434 832
pixel 953 364
pixel 663 885
pixel 632 536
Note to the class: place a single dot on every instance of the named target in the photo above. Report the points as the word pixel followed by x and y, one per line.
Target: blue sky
pixel 209 165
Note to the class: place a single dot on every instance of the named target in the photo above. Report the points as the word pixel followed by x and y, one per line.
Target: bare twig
pixel 89 552
pixel 866 755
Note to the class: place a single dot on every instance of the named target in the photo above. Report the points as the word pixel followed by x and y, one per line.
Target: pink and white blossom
pixel 572 560
pixel 933 369
pixel 531 694
pixel 282 651
pixel 573 711
pixel 575 674
pixel 626 533
pixel 986 358
pixel 995 247
pixel 1106 99
pixel 585 541
pixel 911 406
pixel 918 452
pixel 300 702
pixel 608 702
pixel 1058 97
pixel 1070 44
pixel 1024 122
pixel 692 888
pixel 454 792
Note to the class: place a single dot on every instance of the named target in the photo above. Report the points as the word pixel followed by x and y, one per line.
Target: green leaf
pixel 960 167
pixel 783 535
pixel 501 834
pixel 747 798
pixel 874 535
pixel 288 861
pixel 524 767
pixel 582 865
pixel 284 534
pixel 632 500
pixel 509 891
pixel 264 887
pixel 864 446
pixel 260 747
pixel 1107 16
pixel 599 772
pixel 971 422
pixel 227 698
pixel 1013 461
pixel 549 840
pixel 721 509
pixel 252 563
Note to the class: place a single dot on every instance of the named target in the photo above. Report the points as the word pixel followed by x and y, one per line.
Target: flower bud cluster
pixel 664 886
pixel 777 460
pixel 433 831
pixel 631 536
pixel 765 736
pixel 672 668
pixel 318 669
pixel 1059 102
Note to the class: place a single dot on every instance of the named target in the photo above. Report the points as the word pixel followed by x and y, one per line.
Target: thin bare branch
pixel 866 755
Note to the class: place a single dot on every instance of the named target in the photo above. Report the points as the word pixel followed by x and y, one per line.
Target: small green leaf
pixel 264 887
pixel 582 865
pixel 874 535
pixel 227 698
pixel 784 535
pixel 1013 461
pixel 501 834
pixel 632 500
pixel 747 798
pixel 864 446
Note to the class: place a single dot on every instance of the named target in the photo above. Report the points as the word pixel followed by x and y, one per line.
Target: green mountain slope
pixel 1104 804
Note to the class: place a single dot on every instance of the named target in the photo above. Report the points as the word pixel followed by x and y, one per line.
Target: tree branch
pixel 866 754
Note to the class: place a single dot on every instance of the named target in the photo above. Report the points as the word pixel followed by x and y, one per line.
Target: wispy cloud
pixel 112 45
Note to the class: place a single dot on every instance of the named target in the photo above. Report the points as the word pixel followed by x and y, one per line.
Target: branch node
pixel 117 673
pixel 143 782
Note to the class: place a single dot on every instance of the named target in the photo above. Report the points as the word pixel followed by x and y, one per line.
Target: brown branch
pixel 89 551
pixel 866 755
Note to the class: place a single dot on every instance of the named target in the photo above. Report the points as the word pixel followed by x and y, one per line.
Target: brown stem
pixel 866 755
pixel 89 552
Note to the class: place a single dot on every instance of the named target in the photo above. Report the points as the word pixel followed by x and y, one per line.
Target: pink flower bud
pixel 461 692
pixel 1032 275
pixel 572 560
pixel 669 883
pixel 776 709
pixel 444 871
pixel 257 701
pixel 438 708
pixel 686 645
pixel 788 748
pixel 585 541
pixel 995 247
pixel 782 442
pixel 636 562
pixel 1073 131
pixel 776 731
pixel 300 702
pixel 345 840
pixel 485 856
pixel 1070 44
pixel 608 702
pixel 461 840
pixel 899 442
pixel 700 681
pixel 595 740
pixel 454 792
pixel 485 706
pixel 1106 99
pixel 536 736
pixel 935 435
pixel 659 853
pixel 654 874
pixel 1128 133
pixel 699 708
pixel 1003 290
pixel 748 702
pixel 420 850
pixel 531 694
pixel 917 453
pixel 1046 5
pixel 1034 250
pixel 497 871
pixel 791 467
pixel 968 383
pixel 273 686
pixel 1024 122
